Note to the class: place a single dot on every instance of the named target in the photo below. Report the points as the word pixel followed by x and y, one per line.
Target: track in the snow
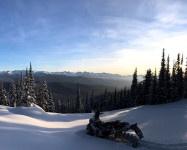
pixel 148 145
pixel 157 146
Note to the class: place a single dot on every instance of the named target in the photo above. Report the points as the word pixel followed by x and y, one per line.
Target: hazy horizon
pixel 66 71
pixel 94 36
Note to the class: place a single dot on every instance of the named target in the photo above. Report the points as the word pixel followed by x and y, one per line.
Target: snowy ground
pixel 164 127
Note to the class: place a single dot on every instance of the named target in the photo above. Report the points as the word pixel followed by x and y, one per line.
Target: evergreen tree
pixel 4 100
pixel 121 99
pixel 26 100
pixel 179 78
pixel 185 82
pixel 78 100
pixel 59 107
pixel 45 93
pixel 92 100
pixel 111 102
pixel 140 94
pixel 115 99
pixel 125 98
pixel 18 92
pixel 161 80
pixel 13 95
pixel 1 94
pixel 50 103
pixel 147 87
pixel 42 97
pixel 32 83
pixel 154 90
pixel 86 105
pixel 134 87
pixel 105 100
pixel 168 82
pixel 174 83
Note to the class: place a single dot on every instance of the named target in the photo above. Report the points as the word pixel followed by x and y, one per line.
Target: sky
pixel 91 35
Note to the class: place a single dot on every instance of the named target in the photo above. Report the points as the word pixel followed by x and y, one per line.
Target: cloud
pixel 94 35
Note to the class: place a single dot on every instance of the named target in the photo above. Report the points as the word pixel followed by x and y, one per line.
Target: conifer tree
pixel 147 87
pixel 42 96
pixel 86 104
pixel 154 90
pixel 185 82
pixel 111 107
pixel 115 99
pixel 1 94
pixel 105 100
pixel 59 107
pixel 134 87
pixel 174 83
pixel 125 98
pixel 140 94
pixel 4 97
pixel 13 95
pixel 121 99
pixel 78 100
pixel 92 100
pixel 168 82
pixel 18 92
pixel 179 76
pixel 50 103
pixel 45 93
pixel 25 92
pixel 32 83
pixel 161 80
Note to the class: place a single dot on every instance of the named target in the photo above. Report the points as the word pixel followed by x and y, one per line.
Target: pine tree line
pixel 24 92
pixel 167 86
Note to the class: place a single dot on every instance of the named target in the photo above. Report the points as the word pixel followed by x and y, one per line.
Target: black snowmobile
pixel 115 130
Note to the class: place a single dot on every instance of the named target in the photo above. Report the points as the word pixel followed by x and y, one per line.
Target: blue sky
pixel 91 35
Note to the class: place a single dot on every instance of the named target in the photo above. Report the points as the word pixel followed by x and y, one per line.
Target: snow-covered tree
pixel 41 99
pixel 50 103
pixel 4 99
pixel 25 91
pixel 32 83
pixel 13 95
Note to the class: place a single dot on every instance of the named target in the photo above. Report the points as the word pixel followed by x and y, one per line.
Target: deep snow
pixel 164 127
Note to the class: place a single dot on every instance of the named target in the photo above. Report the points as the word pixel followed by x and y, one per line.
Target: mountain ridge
pixel 66 73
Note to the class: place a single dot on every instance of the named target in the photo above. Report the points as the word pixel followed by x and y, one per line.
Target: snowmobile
pixel 115 130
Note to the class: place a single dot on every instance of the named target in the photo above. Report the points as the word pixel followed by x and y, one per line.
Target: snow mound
pixel 32 111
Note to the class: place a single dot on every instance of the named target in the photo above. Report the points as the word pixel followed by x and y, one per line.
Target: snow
pixel 30 128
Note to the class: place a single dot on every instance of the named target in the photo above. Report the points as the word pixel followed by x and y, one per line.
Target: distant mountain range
pixel 66 73
pixel 64 84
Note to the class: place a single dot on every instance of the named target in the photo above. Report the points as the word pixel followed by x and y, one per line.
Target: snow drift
pixel 164 127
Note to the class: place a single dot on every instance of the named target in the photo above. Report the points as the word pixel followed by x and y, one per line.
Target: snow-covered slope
pixel 164 127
